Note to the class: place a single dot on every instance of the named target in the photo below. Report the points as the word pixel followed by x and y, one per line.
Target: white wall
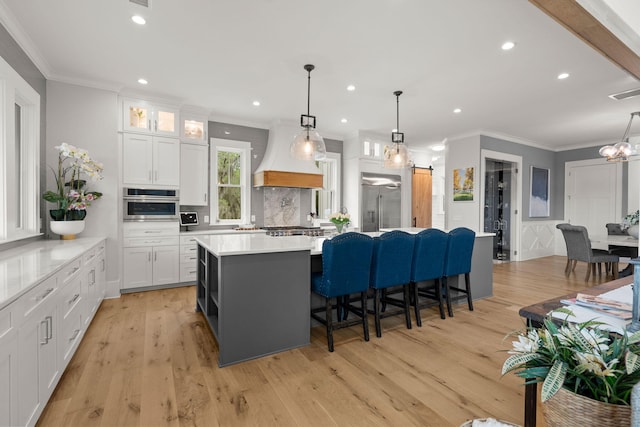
pixel 462 153
pixel 87 118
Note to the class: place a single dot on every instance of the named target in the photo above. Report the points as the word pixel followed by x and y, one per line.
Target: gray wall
pixel 19 61
pixel 258 139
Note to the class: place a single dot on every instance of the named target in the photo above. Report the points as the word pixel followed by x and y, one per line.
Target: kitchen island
pixel 254 290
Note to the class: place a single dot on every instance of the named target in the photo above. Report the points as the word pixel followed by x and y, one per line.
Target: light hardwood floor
pixel 149 360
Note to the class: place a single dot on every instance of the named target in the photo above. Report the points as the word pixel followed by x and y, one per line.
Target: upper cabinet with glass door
pixel 193 128
pixel 145 117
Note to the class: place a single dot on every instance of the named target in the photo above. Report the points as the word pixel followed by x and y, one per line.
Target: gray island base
pixel 256 304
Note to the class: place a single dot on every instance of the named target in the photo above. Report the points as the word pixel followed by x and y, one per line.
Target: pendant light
pixel 308 144
pixel 621 151
pixel 396 155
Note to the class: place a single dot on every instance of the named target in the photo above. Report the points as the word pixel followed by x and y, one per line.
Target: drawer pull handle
pixel 45 340
pixel 75 335
pixel 193 257
pixel 153 241
pixel 72 272
pixel 75 297
pixel 153 231
pixel 44 294
pixel 193 272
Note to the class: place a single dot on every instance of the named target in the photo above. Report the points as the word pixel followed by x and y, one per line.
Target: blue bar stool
pixel 458 261
pixel 346 267
pixel 427 269
pixel 391 267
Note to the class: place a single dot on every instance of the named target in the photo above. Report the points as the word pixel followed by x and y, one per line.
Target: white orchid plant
pixel 583 358
pixel 70 194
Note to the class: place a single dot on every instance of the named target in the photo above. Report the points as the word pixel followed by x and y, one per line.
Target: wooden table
pixel 535 315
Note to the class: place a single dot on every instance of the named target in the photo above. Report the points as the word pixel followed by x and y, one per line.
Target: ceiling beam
pixel 576 19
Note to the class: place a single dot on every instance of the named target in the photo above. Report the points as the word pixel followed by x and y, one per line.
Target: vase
pixel 339 228
pixel 67 229
pixel 633 231
pixel 65 215
pixel 566 408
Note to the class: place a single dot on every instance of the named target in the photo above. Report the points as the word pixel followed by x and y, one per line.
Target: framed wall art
pixel 463 185
pixel 539 192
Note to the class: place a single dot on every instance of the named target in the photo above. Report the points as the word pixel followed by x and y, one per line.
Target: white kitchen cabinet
pixel 152 260
pixel 94 282
pixel 145 117
pixel 194 174
pixel 365 145
pixel 42 328
pixel 37 351
pixel 8 368
pixel 193 128
pixel 188 259
pixel 150 160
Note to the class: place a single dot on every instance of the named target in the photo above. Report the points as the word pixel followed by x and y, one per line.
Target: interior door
pixel 421 197
pixel 593 194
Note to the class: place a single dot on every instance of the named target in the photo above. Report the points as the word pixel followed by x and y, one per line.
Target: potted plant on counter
pixel 630 223
pixel 340 219
pixel 70 195
pixel 587 373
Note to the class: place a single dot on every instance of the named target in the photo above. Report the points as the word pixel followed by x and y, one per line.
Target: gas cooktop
pixel 294 230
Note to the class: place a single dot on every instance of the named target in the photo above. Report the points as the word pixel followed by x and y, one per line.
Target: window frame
pixel 336 159
pixel 14 90
pixel 244 149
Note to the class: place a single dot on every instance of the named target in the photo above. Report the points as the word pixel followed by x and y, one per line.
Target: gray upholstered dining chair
pixel 579 248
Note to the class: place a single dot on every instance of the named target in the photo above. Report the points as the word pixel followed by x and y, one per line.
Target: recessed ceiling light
pixel 138 19
pixel 563 76
pixel 256 103
pixel 351 88
pixel 457 110
pixel 434 158
pixel 508 45
pixel 142 81
pixel 343 121
pixel 437 147
pixel 394 130
pixel 226 132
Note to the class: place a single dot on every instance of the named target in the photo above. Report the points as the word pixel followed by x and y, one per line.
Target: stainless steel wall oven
pixel 141 204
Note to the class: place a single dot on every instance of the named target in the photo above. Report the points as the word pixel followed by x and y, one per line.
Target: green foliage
pixel 582 358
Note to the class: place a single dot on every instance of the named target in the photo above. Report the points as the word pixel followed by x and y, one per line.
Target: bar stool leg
pixel 467 283
pixel 329 324
pixel 416 299
pixel 365 321
pixel 407 310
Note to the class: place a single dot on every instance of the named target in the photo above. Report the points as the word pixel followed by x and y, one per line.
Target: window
pixel 230 179
pixel 326 201
pixel 20 154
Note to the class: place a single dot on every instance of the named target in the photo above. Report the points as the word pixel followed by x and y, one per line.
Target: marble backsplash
pixel 281 206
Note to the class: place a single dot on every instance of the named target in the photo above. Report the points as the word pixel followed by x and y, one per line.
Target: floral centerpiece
pixel 581 358
pixel 70 195
pixel 630 223
pixel 340 219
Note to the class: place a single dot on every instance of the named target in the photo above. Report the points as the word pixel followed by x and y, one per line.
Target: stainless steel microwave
pixel 142 204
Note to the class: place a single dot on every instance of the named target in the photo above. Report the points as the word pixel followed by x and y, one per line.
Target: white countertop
pixel 245 244
pixel 24 267
pixel 220 231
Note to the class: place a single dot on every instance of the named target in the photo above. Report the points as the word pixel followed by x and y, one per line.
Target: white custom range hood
pixel 279 169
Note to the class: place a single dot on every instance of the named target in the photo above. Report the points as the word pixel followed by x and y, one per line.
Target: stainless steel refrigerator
pixel 381 196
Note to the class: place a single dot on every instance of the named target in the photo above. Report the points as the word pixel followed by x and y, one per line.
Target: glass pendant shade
pixel 621 151
pixel 396 156
pixel 308 145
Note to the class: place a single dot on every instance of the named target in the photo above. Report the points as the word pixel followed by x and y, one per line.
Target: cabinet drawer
pixel 44 292
pixel 188 273
pixel 188 249
pixel 71 270
pixel 188 259
pixel 6 321
pixel 70 297
pixel 151 229
pixel 188 240
pixel 70 334
pixel 150 241
pixel 89 255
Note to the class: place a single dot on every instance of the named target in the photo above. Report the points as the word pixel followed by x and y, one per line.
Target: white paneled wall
pixel 540 239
